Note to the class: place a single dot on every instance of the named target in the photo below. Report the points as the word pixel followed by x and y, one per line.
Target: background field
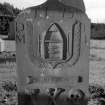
pixel 97 62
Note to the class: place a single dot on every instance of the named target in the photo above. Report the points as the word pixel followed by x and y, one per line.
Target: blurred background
pixel 8 86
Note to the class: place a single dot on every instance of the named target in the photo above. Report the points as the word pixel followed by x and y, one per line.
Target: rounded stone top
pixel 78 4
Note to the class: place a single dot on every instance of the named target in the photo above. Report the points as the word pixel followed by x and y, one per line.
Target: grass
pixel 8 88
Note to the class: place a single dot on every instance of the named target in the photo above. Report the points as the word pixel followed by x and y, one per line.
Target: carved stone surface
pixel 76 33
pixel 76 43
pixel 20 32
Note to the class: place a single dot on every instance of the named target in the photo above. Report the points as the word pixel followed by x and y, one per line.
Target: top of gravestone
pixel 79 4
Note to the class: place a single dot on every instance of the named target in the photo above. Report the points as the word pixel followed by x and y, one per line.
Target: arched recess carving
pixel 54 44
pixel 51 45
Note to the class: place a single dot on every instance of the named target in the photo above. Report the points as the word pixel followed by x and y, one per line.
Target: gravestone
pixel 52 44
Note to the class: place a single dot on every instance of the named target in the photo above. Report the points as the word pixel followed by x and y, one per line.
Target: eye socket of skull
pixel 76 94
